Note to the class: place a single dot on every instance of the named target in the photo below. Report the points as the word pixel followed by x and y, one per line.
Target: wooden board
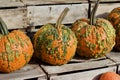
pixel 10 3
pixel 44 2
pixel 14 18
pixel 39 15
pixel 79 69
pixel 104 9
pixel 115 56
pixel 27 72
pixel 106 0
pixel 85 75
pixel 77 64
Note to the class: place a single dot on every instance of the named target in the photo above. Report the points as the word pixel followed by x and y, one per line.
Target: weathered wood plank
pixel 106 0
pixel 115 56
pixel 77 66
pixel 10 3
pixel 27 72
pixel 41 2
pixel 8 0
pixel 39 15
pixel 86 75
pixel 14 18
pixel 104 9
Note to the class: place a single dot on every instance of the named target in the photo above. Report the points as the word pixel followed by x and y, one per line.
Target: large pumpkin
pixel 109 76
pixel 55 44
pixel 114 18
pixel 15 49
pixel 96 37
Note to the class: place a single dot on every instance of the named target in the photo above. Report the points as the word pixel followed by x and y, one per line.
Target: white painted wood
pixel 115 56
pixel 10 3
pixel 104 9
pixel 83 66
pixel 8 0
pixel 39 15
pixel 41 2
pixel 27 72
pixel 86 75
pixel 106 0
pixel 14 18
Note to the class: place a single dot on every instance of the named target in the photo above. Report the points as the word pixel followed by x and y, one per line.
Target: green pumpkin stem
pixel 3 27
pixel 61 17
pixel 92 17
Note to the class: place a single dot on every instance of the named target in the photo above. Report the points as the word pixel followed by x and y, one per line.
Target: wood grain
pixel 40 15
pixel 10 3
pixel 79 66
pixel 44 2
pixel 27 72
pixel 104 9
pixel 86 75
pixel 14 18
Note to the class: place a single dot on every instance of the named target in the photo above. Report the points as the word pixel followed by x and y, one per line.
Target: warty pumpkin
pixel 114 18
pixel 16 49
pixel 110 76
pixel 96 37
pixel 55 44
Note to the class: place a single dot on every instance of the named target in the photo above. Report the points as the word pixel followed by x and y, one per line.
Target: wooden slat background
pixel 106 0
pixel 10 3
pixel 23 13
pixel 43 2
pixel 74 65
pixel 40 15
pixel 115 56
pixel 14 18
pixel 104 9
pixel 27 72
pixel 86 75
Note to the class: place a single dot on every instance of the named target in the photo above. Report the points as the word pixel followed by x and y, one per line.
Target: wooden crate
pixel 20 14
pixel 79 69
pixel 29 71
pixel 40 15
pixel 115 56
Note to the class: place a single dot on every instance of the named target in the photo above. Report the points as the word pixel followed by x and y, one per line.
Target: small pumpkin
pixel 96 37
pixel 109 76
pixel 114 18
pixel 16 49
pixel 55 44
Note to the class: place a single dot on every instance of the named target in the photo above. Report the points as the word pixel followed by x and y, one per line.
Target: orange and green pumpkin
pixel 114 18
pixel 16 49
pixel 55 44
pixel 96 37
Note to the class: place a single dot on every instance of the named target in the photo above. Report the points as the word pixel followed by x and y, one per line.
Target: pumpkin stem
pixel 3 27
pixel 92 17
pixel 61 17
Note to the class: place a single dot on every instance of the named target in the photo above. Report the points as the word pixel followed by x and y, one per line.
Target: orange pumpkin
pixel 16 49
pixel 109 76
pixel 55 44
pixel 114 18
pixel 96 37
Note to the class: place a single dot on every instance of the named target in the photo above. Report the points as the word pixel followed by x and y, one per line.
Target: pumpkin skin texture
pixel 53 46
pixel 94 40
pixel 16 50
pixel 109 76
pixel 114 18
pixel 96 36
